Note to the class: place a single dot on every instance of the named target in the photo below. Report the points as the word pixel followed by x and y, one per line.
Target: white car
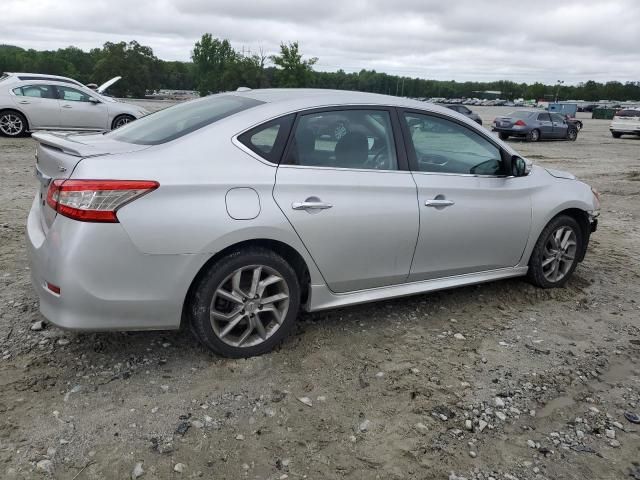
pixel 626 122
pixel 30 101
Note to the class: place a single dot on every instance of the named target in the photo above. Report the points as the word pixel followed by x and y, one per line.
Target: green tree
pixel 215 63
pixel 293 71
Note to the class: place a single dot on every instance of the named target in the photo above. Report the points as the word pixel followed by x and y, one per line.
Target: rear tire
pixel 503 136
pixel 558 247
pixel 121 121
pixel 616 134
pixel 533 135
pixel 233 311
pixel 13 124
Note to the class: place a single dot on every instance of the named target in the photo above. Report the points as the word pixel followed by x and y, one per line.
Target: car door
pixel 473 218
pixel 560 126
pixel 545 126
pixel 351 199
pixel 39 104
pixel 78 109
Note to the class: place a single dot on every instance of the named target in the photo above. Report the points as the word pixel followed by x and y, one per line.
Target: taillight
pixel 95 200
pixel 520 123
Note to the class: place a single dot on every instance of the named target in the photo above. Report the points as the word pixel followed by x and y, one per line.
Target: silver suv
pixel 31 101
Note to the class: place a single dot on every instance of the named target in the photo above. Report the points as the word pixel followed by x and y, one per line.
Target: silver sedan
pixel 233 212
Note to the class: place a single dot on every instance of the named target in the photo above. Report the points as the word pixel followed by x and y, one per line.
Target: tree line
pixel 216 66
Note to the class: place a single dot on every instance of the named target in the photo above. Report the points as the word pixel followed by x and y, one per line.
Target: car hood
pixel 102 88
pixel 560 174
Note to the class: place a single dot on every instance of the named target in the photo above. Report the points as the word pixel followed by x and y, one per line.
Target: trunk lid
pixel 57 154
pixel 504 122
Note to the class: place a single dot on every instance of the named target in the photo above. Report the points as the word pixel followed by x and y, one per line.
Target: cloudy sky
pixel 535 40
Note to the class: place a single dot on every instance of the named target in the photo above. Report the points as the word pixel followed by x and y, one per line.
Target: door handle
pixel 67 106
pixel 439 203
pixel 310 205
pixel 24 102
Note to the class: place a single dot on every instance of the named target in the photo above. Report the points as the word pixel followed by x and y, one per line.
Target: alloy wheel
pixel 121 122
pixel 249 306
pixel 559 254
pixel 11 124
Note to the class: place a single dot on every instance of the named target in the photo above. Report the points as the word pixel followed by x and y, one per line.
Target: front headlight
pixel 596 196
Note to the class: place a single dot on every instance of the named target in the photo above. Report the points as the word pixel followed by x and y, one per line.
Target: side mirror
pixel 519 166
pixel 94 100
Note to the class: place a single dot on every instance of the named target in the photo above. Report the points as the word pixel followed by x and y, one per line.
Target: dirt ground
pixel 537 387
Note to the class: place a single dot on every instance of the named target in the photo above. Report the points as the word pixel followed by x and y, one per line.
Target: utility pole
pixel 560 82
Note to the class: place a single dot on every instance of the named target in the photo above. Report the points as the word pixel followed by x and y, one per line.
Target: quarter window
pixel 443 146
pixel 361 139
pixel 36 91
pixel 268 140
pixel 72 95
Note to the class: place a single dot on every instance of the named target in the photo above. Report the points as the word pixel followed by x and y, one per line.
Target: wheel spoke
pixel 565 239
pixel 245 335
pixel 235 283
pixel 231 325
pixel 260 327
pixel 229 296
pixel 274 298
pixel 257 272
pixel 547 261
pixel 215 314
pixel 270 280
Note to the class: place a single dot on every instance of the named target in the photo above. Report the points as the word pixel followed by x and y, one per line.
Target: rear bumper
pixel 105 282
pixel 516 132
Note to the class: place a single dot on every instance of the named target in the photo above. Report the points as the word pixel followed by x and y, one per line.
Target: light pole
pixel 560 82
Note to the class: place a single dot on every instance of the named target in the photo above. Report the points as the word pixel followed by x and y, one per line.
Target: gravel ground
pixel 501 381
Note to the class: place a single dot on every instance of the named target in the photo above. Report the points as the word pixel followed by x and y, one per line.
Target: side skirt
pixel 322 298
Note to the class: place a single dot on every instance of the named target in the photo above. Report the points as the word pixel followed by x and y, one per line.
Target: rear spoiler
pixel 65 143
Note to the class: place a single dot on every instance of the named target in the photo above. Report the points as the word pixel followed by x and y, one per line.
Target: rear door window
pixel 35 91
pixel 544 117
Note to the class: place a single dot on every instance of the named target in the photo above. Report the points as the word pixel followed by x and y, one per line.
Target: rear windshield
pixel 174 122
pixel 520 114
pixel 628 113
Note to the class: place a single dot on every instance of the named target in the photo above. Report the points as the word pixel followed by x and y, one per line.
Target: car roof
pixel 24 76
pixel 306 98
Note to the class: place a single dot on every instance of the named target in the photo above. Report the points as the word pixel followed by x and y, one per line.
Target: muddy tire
pixel 555 255
pixel 246 303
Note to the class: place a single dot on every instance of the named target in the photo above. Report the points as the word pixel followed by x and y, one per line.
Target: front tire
pixel 121 121
pixel 555 255
pixel 572 134
pixel 246 303
pixel 12 124
pixel 616 134
pixel 533 135
pixel 503 136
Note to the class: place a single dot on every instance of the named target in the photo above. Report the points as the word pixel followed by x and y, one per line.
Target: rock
pixel 422 428
pixel 610 433
pixel 503 344
pixel 459 336
pixel 182 428
pixel 473 454
pixel 482 425
pixel 45 466
pixel 306 400
pixel 154 409
pixel 579 434
pixel 179 467
pixel 208 419
pixel 499 402
pixel 321 398
pixel 379 374
pixel 138 471
pixel 63 341
pixel 37 326
pixel 352 439
pixel 468 424
pixel 240 437
pixel 51 452
pixel 197 424
pixel 415 370
pixel 531 444
pixel 164 388
pixel 501 416
pixel 364 426
pixel 614 443
pixel 618 425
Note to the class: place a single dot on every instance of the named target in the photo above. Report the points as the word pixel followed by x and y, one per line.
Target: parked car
pixel 534 125
pixel 30 101
pixel 228 213
pixel 466 112
pixel 625 122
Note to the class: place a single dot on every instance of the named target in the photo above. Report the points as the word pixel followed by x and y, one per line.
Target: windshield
pixel 174 122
